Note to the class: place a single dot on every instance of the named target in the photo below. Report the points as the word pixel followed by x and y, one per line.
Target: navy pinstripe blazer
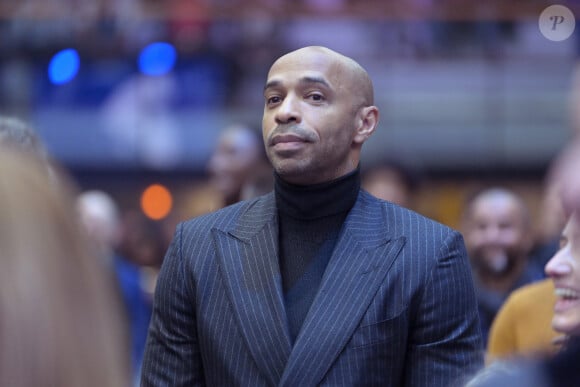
pixel 396 305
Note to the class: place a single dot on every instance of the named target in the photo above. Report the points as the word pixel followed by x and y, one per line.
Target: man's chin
pixel 289 167
pixel 499 272
pixel 497 267
pixel 499 264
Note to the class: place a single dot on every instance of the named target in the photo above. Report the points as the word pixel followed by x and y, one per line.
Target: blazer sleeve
pixel 445 345
pixel 172 355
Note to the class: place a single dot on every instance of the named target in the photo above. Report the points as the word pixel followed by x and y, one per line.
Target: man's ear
pixel 367 121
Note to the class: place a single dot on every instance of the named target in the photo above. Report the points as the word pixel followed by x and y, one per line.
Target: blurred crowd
pixel 221 55
pixel 87 258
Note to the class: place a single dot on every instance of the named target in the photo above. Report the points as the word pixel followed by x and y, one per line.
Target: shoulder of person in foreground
pixel 513 333
pixel 60 318
pixel 559 371
pixel 510 374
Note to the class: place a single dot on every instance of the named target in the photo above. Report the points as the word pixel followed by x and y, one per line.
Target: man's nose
pixel 288 111
pixel 492 234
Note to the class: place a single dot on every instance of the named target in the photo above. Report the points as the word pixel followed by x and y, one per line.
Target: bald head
pixel 501 197
pixel 100 215
pixel 347 74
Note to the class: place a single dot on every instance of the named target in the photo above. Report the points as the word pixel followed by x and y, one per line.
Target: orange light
pixel 156 201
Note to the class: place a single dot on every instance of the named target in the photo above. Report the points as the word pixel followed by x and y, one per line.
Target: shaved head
pixel 498 194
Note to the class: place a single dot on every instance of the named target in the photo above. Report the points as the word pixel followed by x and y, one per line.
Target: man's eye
pixel 316 97
pixel 272 100
pixel 481 226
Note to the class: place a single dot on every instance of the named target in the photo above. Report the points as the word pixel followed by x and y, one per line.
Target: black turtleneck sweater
pixel 310 219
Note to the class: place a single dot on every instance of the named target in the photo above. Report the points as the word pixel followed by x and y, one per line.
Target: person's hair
pixel 18 134
pixel 60 318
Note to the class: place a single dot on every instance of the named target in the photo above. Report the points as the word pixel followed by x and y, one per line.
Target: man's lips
pixel 286 138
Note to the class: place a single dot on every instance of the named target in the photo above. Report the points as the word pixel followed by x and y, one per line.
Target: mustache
pixel 295 130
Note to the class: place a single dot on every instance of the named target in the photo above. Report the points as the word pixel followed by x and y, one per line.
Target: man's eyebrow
pixel 303 80
pixel 318 80
pixel 271 84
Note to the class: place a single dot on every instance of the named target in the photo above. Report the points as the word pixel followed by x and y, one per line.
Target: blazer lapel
pixel 362 257
pixel 248 261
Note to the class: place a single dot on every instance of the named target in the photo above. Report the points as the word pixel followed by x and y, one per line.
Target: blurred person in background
pixel 497 231
pixel 391 180
pixel 552 219
pixel 565 172
pixel 513 333
pixel 143 243
pixel 60 319
pixel 561 370
pixel 100 216
pixel 239 163
pixel 142 239
pixel 564 270
pixel 260 182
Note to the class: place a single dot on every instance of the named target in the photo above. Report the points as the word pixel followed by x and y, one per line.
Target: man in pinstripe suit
pixel 318 282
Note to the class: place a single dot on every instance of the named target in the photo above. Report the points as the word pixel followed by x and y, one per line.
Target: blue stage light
pixel 157 58
pixel 63 66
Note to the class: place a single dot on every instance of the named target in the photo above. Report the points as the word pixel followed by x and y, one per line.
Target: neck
pixel 501 282
pixel 317 200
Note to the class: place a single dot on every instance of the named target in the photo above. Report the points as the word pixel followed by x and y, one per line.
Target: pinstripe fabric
pixel 396 305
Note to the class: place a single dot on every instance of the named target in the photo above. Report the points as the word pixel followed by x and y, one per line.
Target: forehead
pixel 495 207
pixel 308 64
pixel 572 233
pixel 572 230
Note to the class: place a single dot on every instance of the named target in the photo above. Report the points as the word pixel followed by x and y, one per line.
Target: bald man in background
pixel 497 229
pixel 317 282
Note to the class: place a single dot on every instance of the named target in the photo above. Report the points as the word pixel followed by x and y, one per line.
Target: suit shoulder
pixel 223 217
pixel 404 217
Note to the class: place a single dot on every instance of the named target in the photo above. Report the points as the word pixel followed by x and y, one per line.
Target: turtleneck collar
pixel 317 200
